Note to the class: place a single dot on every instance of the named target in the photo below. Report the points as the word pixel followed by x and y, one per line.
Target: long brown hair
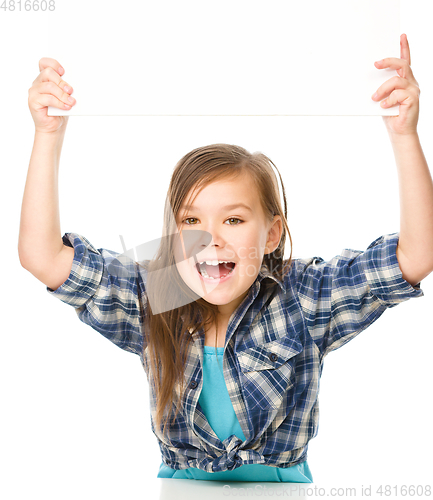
pixel 167 334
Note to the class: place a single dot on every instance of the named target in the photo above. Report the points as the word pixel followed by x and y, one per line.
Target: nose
pixel 190 242
pixel 215 237
pixel 211 244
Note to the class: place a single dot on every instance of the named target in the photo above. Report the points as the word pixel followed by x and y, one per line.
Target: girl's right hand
pixel 49 90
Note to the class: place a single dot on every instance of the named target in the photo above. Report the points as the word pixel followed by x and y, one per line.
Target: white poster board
pixel 242 57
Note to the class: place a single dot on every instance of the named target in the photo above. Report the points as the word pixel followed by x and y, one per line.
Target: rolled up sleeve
pixel 103 289
pixel 342 297
pixel 383 272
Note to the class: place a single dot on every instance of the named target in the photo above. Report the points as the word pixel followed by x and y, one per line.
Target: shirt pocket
pixel 268 372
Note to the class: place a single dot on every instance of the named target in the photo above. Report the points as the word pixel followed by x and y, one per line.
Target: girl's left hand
pixel 400 90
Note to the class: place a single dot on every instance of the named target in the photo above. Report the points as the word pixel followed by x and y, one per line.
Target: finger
pixel 44 100
pixel 52 89
pixel 399 96
pixel 401 65
pixel 390 85
pixel 404 48
pixel 48 62
pixel 49 75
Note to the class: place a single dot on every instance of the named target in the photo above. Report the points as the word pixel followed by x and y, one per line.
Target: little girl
pixel 231 335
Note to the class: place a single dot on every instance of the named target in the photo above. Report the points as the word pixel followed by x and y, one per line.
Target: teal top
pixel 216 405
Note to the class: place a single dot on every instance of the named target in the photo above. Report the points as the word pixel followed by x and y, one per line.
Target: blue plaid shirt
pixel 275 345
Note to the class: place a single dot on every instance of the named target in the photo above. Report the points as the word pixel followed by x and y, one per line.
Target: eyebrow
pixel 227 207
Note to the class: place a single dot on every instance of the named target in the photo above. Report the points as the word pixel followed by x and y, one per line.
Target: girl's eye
pixel 235 218
pixel 189 218
pixel 231 218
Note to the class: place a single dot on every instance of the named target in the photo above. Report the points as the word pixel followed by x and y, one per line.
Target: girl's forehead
pixel 240 188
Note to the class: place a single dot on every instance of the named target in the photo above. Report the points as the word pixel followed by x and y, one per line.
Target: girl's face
pixel 229 211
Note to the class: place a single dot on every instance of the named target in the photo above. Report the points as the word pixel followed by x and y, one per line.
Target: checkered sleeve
pixel 102 287
pixel 342 297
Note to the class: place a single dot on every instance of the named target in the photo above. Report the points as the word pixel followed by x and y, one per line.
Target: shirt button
pixel 193 384
pixel 273 356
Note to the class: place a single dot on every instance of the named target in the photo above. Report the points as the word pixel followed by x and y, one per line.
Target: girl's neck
pixel 226 311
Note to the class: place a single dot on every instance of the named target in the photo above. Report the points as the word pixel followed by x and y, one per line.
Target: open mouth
pixel 218 271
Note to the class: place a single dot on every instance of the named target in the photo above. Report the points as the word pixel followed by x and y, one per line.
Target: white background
pixel 75 419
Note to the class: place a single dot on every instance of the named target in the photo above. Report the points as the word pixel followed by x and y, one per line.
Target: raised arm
pixel 415 247
pixel 40 247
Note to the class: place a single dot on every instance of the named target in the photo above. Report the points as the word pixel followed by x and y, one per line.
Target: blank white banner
pixel 231 57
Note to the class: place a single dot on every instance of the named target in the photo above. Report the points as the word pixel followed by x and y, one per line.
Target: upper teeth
pixel 214 262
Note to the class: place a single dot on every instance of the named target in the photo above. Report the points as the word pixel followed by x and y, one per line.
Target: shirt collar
pixel 265 273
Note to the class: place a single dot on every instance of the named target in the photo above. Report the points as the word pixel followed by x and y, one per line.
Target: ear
pixel 274 235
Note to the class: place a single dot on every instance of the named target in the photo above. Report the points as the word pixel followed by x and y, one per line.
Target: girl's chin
pixel 213 293
pixel 216 302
